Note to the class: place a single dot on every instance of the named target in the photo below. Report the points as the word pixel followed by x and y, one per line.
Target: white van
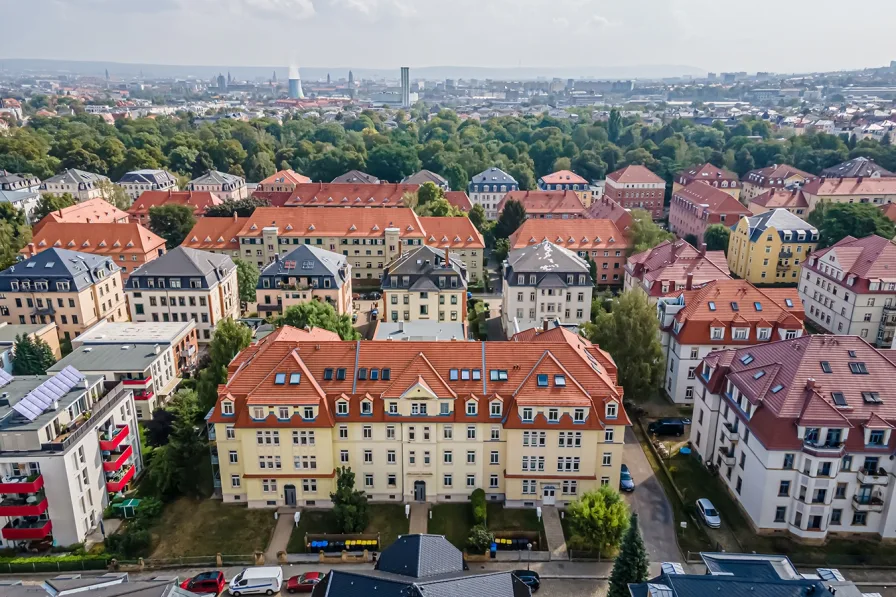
pixel 254 581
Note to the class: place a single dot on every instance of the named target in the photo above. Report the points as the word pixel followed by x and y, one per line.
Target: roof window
pixel 777 389
pixel 280 379
pixel 839 398
pixel 826 366
pixel 858 368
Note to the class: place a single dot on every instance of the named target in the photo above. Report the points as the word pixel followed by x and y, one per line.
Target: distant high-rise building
pixel 351 79
pixel 107 74
pixel 328 78
pixel 405 87
pixel 229 78
pixel 275 77
pixel 222 82
pixel 295 83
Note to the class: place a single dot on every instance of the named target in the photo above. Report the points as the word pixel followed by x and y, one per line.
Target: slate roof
pixel 420 556
pixel 80 269
pixel 420 329
pixel 307 261
pixel 424 261
pixel 780 220
pixel 774 176
pixel 214 177
pixel 74 176
pixel 426 176
pixel 147 176
pixel 356 177
pixel 546 257
pixel 859 166
pixel 185 262
pixel 493 175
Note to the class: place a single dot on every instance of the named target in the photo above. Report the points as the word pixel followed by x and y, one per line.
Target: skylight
pixel 542 380
pixel 374 374
pixel 871 397
pixel 777 389
pixel 294 378
pixel 746 359
pixel 858 368
pixel 734 306
pixel 788 302
pixel 32 264
pixel 758 306
pixel 280 379
pixel 386 374
pixel 825 366
pixel 839 398
pixel 758 374
pixel 712 306
pixel 560 380
pixel 50 264
pixel 308 264
pixel 851 353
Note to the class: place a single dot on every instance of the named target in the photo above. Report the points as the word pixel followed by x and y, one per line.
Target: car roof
pixel 705 503
pixel 211 575
pixel 310 575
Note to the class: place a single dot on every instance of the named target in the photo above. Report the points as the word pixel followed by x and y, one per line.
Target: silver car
pixel 709 513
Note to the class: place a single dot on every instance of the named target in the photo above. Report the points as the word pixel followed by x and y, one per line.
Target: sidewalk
pixel 419 519
pixel 280 538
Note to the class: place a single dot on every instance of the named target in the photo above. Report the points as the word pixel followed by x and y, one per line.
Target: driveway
pixel 649 501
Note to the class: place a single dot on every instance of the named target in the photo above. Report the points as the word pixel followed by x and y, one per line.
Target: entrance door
pixel 548 496
pixel 420 491
pixel 289 492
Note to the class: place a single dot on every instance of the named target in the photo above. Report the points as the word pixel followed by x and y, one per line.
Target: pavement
pixel 280 538
pixel 419 519
pixel 553 531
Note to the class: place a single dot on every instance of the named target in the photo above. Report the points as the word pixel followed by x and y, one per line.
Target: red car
pixel 207 582
pixel 304 583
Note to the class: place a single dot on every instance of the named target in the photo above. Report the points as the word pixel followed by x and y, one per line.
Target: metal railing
pixel 100 409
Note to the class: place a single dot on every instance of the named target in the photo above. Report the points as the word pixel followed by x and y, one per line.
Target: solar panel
pixel 5 378
pixel 51 390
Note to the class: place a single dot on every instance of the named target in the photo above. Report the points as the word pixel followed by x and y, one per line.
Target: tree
pixel 478 319
pixel 15 233
pixel 743 162
pixel 629 332
pixel 114 194
pixel 631 564
pixel 692 240
pixel 429 192
pixel 600 518
pixel 838 220
pixel 716 237
pixel 501 251
pixel 158 428
pixel 512 217
pixel 477 216
pixel 392 162
pixel 50 203
pixel 349 504
pixel 247 275
pixel 172 222
pixel 614 125
pixel 645 233
pixel 241 207
pixel 177 468
pixel 230 338
pixel 322 315
pixel 31 356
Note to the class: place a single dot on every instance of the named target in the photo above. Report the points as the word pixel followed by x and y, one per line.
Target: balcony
pixel 785 254
pixel 76 430
pixel 143 395
pixel 115 460
pixel 117 481
pixel 30 505
pixel 727 456
pixel 873 477
pixel 137 383
pixel 730 432
pixel 781 265
pixel 22 484
pixel 872 503
pixel 108 442
pixel 824 449
pixel 25 531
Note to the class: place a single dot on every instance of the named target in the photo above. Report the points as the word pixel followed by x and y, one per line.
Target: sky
pixel 712 35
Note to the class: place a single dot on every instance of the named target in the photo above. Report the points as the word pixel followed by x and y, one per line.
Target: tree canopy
pixel 50 203
pixel 241 207
pixel 512 217
pixel 631 564
pixel 31 356
pixel 176 468
pixel 716 237
pixel 645 233
pixel 230 338
pixel 836 221
pixel 599 519
pixel 319 314
pixel 247 275
pixel 172 222
pixel 349 504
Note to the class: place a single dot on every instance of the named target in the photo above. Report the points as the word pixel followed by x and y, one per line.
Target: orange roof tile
pixel 775 198
pixel 199 201
pixel 324 194
pixel 215 234
pixel 90 211
pixel 459 199
pixel 607 209
pixel 285 177
pixel 832 187
pixel 546 202
pixel 635 173
pixel 333 222
pixel 99 239
pixel 563 177
pixel 458 233
pixel 575 235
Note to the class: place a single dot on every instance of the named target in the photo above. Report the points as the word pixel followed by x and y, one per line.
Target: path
pixel 419 519
pixel 280 538
pixel 553 530
pixel 655 516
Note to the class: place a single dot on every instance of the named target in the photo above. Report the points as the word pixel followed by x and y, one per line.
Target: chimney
pixel 447 259
pixel 401 326
pixel 703 248
pixel 544 325
pixel 60 212
pixel 31 251
pixel 859 180
pixel 810 383
pixel 235 217
pixel 690 281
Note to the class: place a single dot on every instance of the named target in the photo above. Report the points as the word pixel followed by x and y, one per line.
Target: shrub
pixel 480 539
pixel 149 509
pixel 480 510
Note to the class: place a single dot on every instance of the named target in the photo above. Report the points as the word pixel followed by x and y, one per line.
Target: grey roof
pixel 427 263
pixel 356 176
pixel 307 261
pixel 860 166
pixel 18 196
pixel 419 330
pixel 111 585
pixel 146 176
pixel 692 585
pixel 420 556
pixel 81 270
pixel 15 182
pixel 134 332
pixel 494 175
pixel 19 387
pixel 110 357
pixel 425 176
pixel 214 177
pixel 9 331
pixel 184 261
pixel 75 176
pixel 781 220
pixel 546 257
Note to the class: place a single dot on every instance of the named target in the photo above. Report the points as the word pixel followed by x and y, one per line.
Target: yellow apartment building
pixel 769 248
pixel 425 284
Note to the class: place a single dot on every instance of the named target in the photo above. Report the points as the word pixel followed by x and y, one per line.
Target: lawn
pixel 452 520
pixel 205 527
pixel 386 519
pixel 516 519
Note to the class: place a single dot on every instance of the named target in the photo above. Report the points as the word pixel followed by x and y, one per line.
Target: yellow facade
pixel 409 305
pixel 769 259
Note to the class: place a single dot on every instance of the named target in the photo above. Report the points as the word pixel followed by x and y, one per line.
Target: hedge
pixel 480 510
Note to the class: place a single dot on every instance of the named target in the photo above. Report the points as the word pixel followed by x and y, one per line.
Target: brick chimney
pixel 810 383
pixel 702 248
pixel 235 217
pixel 447 258
pixel 544 325
pixel 689 281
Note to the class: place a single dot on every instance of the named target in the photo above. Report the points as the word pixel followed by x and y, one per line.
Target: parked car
pixel 626 483
pixel 304 583
pixel 264 579
pixel 667 427
pixel 211 583
pixel 709 513
pixel 530 578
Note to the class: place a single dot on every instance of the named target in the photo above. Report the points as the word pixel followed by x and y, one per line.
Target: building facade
pixel 185 285
pixel 137 182
pixel 774 177
pixel 425 284
pixel 566 180
pixel 771 247
pixel 421 421
pixel 671 266
pixel 877 191
pixel 80 184
pixel 793 200
pixel 305 274
pixel 698 205
pixel 226 187
pixel 22 191
pixel 488 189
pixel 849 288
pixel 711 175
pixel 636 187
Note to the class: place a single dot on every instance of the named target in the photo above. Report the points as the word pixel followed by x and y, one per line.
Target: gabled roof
pixel 185 262
pixel 94 211
pixel 356 177
pixel 420 556
pixel 715 200
pixel 563 177
pixel 102 239
pixel 575 234
pixel 673 262
pixel 635 174
pixel 872 257
pixel 288 177
pixel 707 173
pixel 457 233
pixel 546 258
pixel 832 187
pixel 607 209
pixel 425 176
pixel 774 176
pixel 459 199
pixel 198 201
pixel 218 234
pixel 788 198
pixel 546 202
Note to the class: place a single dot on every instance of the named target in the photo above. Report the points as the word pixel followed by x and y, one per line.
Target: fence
pixel 589 556
pixel 68 564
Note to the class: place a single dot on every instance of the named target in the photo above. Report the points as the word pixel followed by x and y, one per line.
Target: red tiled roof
pixel 275 198
pixel 775 198
pixel 458 233
pixel 832 187
pixel 717 201
pixel 90 211
pixel 635 174
pixel 322 194
pixel 215 234
pixel 889 210
pixel 285 177
pixel 872 258
pixel 575 235
pixel 563 177
pixel 673 262
pixel 774 176
pixel 546 202
pixel 99 239
pixel 333 222
pixel 459 199
pixel 199 201
pixel 706 172
pixel 607 209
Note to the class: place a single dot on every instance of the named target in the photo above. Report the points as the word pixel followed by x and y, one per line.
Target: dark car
pixel 304 583
pixel 530 578
pixel 207 582
pixel 667 427
pixel 626 483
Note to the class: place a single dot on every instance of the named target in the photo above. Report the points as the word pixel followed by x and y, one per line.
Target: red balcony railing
pixel 31 484
pixel 143 395
pixel 136 382
pixel 22 507
pixel 118 435
pixel 116 460
pixel 28 530
pixel 119 482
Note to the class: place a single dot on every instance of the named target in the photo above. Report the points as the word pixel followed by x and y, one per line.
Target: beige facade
pixel 281 299
pixel 406 305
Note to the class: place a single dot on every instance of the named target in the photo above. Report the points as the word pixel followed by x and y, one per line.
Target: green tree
pixel 645 233
pixel 172 222
pixel 114 194
pixel 176 468
pixel 392 162
pixel 512 217
pixel 836 221
pixel 15 233
pixel 600 518
pixel 477 216
pixel 247 275
pixel 322 315
pixel 716 237
pixel 478 319
pixel 50 203
pixel 241 207
pixel 349 504
pixel 230 338
pixel 631 564
pixel 614 125
pixel 429 192
pixel 627 328
pixel 31 356
pixel 501 250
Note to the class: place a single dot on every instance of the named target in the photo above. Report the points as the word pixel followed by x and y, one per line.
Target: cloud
pixel 294 9
pixel 375 9
pixel 599 21
pixel 560 21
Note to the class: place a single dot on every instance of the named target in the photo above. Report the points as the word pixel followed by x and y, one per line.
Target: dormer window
pixel 741 333
pixel 553 415
pixel 342 407
pixel 612 409
pixel 258 413
pixel 764 333
pixel 527 414
pixel 718 333
pixel 227 407
pixel 471 408
pixel 578 415
pixel 495 408
pixel 366 407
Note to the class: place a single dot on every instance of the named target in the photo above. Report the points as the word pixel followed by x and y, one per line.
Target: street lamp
pixel 528 555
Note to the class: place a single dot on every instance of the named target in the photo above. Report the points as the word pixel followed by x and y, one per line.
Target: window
pixel 366 407
pixel 784 488
pixel 836 517
pixel 447 432
pixel 788 461
pixel 527 414
pixel 607 459
pixel 447 457
pixel 309 485
pixel 493 457
pixel 234 480
pixel 542 380
pixel 578 415
pixel 447 480
pixel 227 408
pixel 343 456
pixel 390 457
pixel 368 456
pixel 280 378
pixel 471 457
pixel 368 480
pixel 471 409
pixel 781 514
pixel 495 408
pixel 825 366
pixel 471 432
pixel 294 378
pixel 860 518
pixel 343 432
pixel 493 482
pixel 367 432
pixel 342 408
pixel 858 368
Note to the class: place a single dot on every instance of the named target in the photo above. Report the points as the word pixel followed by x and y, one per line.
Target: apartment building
pixel 226 187
pixel 320 194
pixel 10 332
pixel 674 265
pixel 530 423
pixel 850 288
pixel 92 211
pixel 185 285
pixel 857 167
pixel 356 177
pixel 370 238
pixel 305 274
pixel 723 314
pixel 567 180
pixel 198 201
pixel 710 175
pixel 604 208
pixel 425 284
pixel 636 187
pixel 137 182
pixel 770 248
pixel 80 184
pixel 488 189
pixel 544 283
pixel 775 177
pixel 129 245
pixel 801 432
pixel 793 200
pixel 66 447
pixel 22 191
pixel 877 191
pixel 698 205
pixel 284 181
pixel 423 176
pixel 74 290
pixel 546 205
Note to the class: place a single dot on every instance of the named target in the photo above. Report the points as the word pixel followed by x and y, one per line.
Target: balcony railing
pixel 137 382
pixel 731 432
pixel 31 505
pixel 785 254
pixel 876 476
pixel 143 395
pixel 873 503
pixel 100 408
pixel 117 481
pixel 22 484
pixel 110 441
pixel 825 449
pixel 727 457
pixel 116 460
pixel 27 530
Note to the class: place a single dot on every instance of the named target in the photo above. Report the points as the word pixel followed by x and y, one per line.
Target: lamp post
pixel 528 555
